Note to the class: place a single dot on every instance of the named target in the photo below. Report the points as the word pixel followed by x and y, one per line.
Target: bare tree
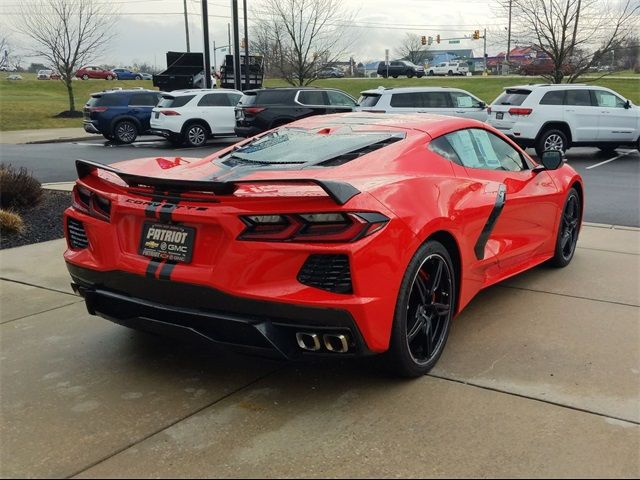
pixel 574 34
pixel 303 36
pixel 411 49
pixel 68 34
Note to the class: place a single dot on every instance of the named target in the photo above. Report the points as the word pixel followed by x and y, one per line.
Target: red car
pixel 85 73
pixel 348 234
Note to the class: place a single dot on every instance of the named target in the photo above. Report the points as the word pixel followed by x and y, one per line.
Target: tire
pixel 431 73
pixel 125 132
pixel 85 77
pixel 568 230
pixel 109 77
pixel 608 149
pixel 195 135
pixel 420 75
pixel 108 136
pixel 394 76
pixel 551 140
pixel 450 73
pixel 409 75
pixel 175 141
pixel 138 77
pixel 416 313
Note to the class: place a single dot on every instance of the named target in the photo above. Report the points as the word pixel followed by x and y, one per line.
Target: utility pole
pixel 215 62
pixel 236 45
pixel 229 35
pixel 485 49
pixel 205 33
pixel 186 24
pixel 246 46
pixel 509 34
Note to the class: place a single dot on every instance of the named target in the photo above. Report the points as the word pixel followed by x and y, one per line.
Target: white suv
pixel 193 116
pixel 440 100
pixel 557 117
pixel 448 68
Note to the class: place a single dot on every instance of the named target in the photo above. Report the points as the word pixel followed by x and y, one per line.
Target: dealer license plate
pixel 167 242
pixel 499 115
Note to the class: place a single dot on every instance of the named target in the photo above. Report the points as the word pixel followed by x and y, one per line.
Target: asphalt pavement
pixel 612 181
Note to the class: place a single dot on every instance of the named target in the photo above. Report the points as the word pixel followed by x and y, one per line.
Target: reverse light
pixel 170 113
pixel 90 203
pixel 522 112
pixel 312 227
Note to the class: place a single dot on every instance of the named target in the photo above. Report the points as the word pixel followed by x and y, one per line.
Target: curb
pixel 59 140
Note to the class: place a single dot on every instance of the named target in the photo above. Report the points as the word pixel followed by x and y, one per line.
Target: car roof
pixel 390 90
pixel 121 91
pixel 550 86
pixel 192 91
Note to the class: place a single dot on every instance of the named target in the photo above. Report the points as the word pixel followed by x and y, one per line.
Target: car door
pixel 520 227
pixel 435 102
pixel 581 115
pixel 141 106
pixel 617 122
pixel 217 110
pixel 467 106
pixel 315 102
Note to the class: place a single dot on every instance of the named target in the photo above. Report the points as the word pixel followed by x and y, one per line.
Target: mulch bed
pixel 42 222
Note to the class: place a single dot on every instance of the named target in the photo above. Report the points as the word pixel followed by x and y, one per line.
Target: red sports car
pixel 349 234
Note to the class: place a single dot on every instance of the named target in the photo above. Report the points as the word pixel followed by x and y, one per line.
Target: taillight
pixel 98 109
pixel 253 110
pixel 169 113
pixel 312 227
pixel 91 203
pixel 523 112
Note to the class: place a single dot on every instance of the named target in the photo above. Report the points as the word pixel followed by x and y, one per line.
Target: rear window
pixel 175 102
pixel 293 146
pixel 369 100
pixel 512 96
pixel 106 101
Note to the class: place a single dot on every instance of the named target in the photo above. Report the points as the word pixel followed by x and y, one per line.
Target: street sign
pixel 454 41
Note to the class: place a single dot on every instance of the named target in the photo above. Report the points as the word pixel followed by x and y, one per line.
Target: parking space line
pixel 610 160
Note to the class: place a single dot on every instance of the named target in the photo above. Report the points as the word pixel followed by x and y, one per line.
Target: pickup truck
pixel 448 68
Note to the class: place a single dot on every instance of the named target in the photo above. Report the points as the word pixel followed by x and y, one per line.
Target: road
pixel 612 182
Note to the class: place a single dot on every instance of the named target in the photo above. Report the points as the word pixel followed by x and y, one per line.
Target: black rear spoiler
pixel 340 192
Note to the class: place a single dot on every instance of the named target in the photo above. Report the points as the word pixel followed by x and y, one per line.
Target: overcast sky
pixel 146 29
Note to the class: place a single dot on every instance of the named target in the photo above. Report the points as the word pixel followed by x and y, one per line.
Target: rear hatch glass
pixel 247 100
pixel 512 96
pixel 369 99
pixel 174 102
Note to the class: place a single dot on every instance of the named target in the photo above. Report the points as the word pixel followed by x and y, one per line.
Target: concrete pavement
pixel 44 135
pixel 541 377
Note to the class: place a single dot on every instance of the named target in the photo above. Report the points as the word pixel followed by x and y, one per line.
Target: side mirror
pixel 627 104
pixel 482 105
pixel 551 159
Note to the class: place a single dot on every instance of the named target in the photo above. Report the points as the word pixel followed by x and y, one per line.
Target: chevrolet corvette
pixel 341 235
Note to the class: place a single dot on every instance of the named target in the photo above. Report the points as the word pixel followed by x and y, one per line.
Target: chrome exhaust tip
pixel 308 341
pixel 337 343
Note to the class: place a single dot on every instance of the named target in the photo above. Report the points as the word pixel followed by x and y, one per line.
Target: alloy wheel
pixel 126 132
pixel 196 135
pixel 429 309
pixel 570 220
pixel 554 142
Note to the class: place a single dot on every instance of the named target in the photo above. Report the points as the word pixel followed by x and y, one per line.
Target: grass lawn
pixel 33 104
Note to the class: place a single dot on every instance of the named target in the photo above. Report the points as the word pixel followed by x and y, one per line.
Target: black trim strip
pixel 152 268
pixel 166 270
pixel 340 192
pixel 491 222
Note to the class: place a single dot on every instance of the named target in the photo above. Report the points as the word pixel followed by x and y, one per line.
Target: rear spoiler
pixel 340 192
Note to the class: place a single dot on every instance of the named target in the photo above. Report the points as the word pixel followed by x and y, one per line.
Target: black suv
pixel 120 115
pixel 261 110
pixel 400 68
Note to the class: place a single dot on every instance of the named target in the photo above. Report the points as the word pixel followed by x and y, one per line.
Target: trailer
pixel 184 70
pixel 256 72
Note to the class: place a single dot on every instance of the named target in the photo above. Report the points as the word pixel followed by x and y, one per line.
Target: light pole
pixel 236 45
pixel 186 25
pixel 205 33
pixel 246 46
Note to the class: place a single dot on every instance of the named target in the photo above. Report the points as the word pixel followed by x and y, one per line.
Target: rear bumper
pixel 203 313
pixel 247 131
pixel 89 127
pixel 162 133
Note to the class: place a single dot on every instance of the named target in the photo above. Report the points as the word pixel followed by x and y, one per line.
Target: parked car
pixel 124 74
pixel 193 116
pixel 440 100
pixel 400 68
pixel 120 115
pixel 331 72
pixel 339 236
pixel 448 69
pixel 542 66
pixel 47 75
pixel 557 117
pixel 261 110
pixel 145 76
pixel 85 73
pixel 14 77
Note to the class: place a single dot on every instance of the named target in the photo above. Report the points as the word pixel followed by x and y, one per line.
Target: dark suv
pixel 400 68
pixel 120 115
pixel 261 110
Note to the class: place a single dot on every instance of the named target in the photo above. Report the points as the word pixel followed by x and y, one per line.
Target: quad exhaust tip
pixel 332 342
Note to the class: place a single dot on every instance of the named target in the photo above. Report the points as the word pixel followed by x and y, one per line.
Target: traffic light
pixel 430 40
pixel 424 40
pixel 438 38
pixel 476 34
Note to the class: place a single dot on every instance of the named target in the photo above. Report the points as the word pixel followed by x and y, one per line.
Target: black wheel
pixel 424 310
pixel 568 230
pixel 551 140
pixel 85 77
pixel 108 136
pixel 175 141
pixel 195 135
pixel 138 77
pixel 431 73
pixel 420 75
pixel 608 149
pixel 450 73
pixel 125 132
pixel 409 75
pixel 394 76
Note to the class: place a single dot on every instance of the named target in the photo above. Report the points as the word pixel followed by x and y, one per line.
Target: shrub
pixel 18 188
pixel 10 222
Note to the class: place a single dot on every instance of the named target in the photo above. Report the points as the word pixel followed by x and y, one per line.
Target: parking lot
pixel 540 375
